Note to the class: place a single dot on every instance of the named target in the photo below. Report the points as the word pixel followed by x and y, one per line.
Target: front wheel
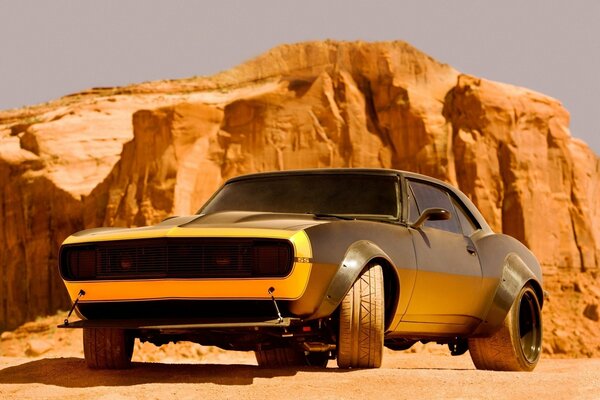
pixel 517 345
pixel 107 348
pixel 361 322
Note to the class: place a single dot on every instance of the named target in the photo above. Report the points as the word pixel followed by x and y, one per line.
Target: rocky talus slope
pixel 133 155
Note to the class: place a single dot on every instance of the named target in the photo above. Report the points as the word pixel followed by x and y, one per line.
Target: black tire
pixel 517 345
pixel 361 322
pixel 107 348
pixel 279 357
pixel 283 357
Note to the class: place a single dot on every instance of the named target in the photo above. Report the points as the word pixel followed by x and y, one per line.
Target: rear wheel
pixel 107 348
pixel 361 322
pixel 282 357
pixel 517 345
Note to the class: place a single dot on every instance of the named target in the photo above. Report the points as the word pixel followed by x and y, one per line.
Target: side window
pixel 466 222
pixel 413 210
pixel 428 196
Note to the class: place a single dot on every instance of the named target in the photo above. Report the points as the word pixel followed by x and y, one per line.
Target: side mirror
pixel 431 214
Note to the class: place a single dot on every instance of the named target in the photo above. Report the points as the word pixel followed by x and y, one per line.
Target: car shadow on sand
pixel 73 373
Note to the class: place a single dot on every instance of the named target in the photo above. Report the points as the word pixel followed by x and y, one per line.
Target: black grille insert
pixel 177 258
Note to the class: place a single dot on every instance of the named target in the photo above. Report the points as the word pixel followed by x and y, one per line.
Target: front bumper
pixel 182 325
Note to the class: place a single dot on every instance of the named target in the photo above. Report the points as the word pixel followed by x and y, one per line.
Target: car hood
pixel 255 220
pixel 227 223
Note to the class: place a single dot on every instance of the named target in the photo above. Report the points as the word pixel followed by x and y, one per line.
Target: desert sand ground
pixel 38 361
pixel 403 376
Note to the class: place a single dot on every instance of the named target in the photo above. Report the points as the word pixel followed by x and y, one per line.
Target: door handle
pixel 471 250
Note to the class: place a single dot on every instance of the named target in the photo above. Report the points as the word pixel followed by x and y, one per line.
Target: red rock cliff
pixel 133 155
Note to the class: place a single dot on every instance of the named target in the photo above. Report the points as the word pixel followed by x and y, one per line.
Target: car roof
pixel 343 171
pixel 320 171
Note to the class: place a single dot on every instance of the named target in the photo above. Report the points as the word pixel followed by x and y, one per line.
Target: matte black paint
pixel 350 246
pixel 514 266
pixel 180 309
pixel 482 253
pixel 360 254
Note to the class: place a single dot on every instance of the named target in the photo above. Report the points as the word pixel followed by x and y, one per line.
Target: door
pixel 448 285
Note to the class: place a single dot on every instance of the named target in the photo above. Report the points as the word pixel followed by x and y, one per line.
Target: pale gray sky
pixel 52 48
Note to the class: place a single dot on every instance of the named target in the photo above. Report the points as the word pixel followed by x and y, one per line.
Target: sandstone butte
pixel 130 156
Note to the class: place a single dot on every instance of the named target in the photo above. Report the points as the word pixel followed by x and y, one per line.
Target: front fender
pixel 357 257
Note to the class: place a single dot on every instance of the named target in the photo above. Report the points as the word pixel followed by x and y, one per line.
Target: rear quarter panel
pixel 507 265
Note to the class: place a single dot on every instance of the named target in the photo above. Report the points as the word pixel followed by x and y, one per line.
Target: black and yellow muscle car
pixel 311 265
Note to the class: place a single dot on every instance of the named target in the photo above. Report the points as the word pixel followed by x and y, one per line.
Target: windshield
pixel 354 195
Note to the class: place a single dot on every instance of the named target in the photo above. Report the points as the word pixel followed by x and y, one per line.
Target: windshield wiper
pixel 337 216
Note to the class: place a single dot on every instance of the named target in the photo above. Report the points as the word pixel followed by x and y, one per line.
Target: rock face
pixel 134 155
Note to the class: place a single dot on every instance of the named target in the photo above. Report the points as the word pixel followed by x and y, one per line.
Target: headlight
pixel 78 263
pixel 272 259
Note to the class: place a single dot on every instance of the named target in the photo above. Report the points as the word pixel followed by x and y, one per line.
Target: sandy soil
pixel 38 361
pixel 402 376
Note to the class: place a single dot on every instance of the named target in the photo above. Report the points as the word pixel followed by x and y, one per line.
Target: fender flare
pixel 515 275
pixel 357 257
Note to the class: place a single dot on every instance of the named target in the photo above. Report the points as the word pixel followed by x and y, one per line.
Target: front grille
pixel 177 258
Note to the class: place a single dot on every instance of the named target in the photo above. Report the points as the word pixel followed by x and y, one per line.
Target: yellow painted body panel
pixel 287 288
pixel 427 329
pixel 126 234
pixel 444 298
pixel 431 312
pixel 407 279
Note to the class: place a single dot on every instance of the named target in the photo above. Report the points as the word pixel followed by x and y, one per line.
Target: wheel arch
pixel 391 287
pixel 515 275
pixel 359 255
